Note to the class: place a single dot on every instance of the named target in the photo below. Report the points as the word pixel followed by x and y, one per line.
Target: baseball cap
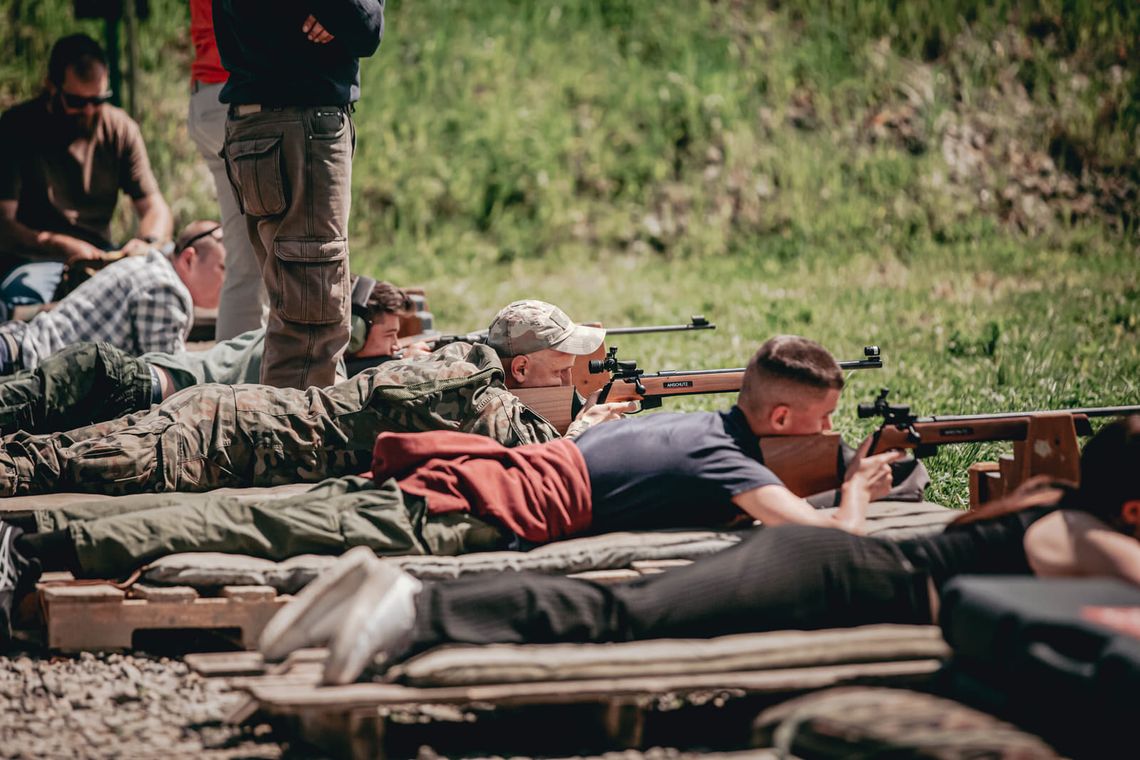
pixel 524 327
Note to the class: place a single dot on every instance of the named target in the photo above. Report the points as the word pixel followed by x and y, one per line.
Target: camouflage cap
pixel 524 327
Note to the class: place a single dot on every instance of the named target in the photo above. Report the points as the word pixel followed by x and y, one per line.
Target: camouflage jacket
pixel 331 431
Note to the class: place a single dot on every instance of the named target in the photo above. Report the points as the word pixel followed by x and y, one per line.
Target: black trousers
pixel 787 577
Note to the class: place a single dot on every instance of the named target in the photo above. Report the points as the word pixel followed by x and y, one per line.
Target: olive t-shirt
pixel 69 184
pixel 671 470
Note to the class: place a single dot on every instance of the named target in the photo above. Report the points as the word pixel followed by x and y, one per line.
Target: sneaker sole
pixel 287 630
pixel 368 627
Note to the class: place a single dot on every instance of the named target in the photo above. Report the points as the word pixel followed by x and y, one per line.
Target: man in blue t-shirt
pixel 705 468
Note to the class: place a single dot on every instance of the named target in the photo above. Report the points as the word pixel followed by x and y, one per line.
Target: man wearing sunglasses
pixel 138 304
pixel 64 157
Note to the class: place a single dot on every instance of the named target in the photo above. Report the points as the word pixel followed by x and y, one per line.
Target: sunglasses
pixel 206 233
pixel 77 102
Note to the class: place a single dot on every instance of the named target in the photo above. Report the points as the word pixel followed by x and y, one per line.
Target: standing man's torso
pixel 272 62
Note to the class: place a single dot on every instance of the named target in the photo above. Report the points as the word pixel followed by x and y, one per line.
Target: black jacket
pixel 272 62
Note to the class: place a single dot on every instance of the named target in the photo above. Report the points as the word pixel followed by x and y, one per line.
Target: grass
pixel 955 182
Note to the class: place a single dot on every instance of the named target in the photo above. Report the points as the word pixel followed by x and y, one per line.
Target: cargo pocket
pixel 312 278
pixel 255 172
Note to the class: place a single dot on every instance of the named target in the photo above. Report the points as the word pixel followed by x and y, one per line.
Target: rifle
pixel 1044 442
pixel 627 382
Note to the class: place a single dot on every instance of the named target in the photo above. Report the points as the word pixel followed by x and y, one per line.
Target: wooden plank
pixel 98 617
pixel 85 594
pixel 292 700
pixel 214 664
pixel 173 594
pixel 249 593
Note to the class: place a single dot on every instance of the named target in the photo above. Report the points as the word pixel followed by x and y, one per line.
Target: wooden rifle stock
pixel 926 433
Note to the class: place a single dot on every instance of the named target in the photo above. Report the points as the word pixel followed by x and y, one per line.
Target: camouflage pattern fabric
pixel 211 436
pixel 876 722
pixel 524 327
pixel 113 538
pixel 79 385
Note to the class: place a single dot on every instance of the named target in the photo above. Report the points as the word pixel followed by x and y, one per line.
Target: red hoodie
pixel 540 492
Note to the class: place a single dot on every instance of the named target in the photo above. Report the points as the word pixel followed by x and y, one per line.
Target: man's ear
pixel 519 366
pixel 1130 512
pixel 779 416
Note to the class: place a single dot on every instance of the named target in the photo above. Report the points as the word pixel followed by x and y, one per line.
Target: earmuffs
pixel 361 323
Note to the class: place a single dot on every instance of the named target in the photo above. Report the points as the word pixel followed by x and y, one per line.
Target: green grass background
pixel 638 161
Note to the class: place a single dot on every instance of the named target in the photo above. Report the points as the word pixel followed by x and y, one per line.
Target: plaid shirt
pixel 138 304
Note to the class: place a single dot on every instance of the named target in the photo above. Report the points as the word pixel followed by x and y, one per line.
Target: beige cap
pixel 524 327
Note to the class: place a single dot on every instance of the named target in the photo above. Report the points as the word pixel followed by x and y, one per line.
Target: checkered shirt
pixel 138 304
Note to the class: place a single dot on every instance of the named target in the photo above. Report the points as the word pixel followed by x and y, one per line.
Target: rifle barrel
pixel 872 363
pixel 658 328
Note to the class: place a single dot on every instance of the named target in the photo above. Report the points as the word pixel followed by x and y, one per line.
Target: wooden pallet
pixel 85 617
pixel 366 719
pixel 96 617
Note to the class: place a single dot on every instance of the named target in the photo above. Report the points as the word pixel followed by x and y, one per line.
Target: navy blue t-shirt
pixel 671 470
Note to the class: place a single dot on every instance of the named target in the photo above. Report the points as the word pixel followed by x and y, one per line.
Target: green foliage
pixel 950 180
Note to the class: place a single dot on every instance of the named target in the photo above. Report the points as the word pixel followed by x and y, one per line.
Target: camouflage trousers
pixel 82 384
pixel 113 538
pixel 212 436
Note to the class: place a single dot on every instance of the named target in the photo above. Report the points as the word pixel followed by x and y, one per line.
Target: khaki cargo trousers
pixel 291 170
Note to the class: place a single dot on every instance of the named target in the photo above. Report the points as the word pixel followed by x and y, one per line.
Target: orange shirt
pixel 207 65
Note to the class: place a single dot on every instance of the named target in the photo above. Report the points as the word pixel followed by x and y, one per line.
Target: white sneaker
pixel 311 617
pixel 379 619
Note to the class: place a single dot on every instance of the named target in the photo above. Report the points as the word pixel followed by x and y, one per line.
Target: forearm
pixel 38 245
pixel 852 513
pixel 156 223
pixel 356 24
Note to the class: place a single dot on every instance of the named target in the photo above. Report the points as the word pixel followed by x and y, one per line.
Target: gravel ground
pixel 144 706
pixel 114 705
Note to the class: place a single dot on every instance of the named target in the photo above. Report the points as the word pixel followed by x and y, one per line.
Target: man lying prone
pixel 93 382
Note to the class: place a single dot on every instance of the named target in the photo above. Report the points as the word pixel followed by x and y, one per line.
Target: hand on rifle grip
pixel 872 472
pixel 593 412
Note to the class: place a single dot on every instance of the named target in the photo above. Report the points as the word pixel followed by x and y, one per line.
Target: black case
pixel 1026 649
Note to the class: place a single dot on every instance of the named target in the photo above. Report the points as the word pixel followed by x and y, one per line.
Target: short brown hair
pixel 79 52
pixel 386 298
pixel 788 360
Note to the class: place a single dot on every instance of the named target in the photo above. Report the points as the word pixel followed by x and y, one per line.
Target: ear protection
pixel 361 324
